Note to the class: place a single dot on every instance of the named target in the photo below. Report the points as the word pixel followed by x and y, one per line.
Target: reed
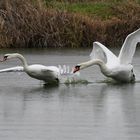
pixel 32 23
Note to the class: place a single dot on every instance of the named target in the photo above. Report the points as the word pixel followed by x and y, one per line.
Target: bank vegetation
pixel 71 23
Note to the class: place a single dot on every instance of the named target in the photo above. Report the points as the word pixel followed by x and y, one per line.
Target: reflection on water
pixel 95 110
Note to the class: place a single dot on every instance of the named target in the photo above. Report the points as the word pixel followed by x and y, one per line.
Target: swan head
pixel 9 56
pixel 76 68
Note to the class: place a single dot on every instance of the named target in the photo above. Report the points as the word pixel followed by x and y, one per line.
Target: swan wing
pixel 50 72
pixel 99 51
pixel 128 48
pixel 50 69
pixel 46 71
pixel 13 69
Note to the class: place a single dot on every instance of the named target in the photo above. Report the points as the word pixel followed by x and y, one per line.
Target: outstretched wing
pixel 128 48
pixel 99 51
pixel 13 69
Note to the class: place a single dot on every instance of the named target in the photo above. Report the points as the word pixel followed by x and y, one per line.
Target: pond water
pixel 84 111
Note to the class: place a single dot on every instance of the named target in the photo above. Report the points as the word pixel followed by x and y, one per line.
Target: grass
pixel 100 10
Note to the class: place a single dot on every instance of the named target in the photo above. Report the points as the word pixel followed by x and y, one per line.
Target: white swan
pixel 118 68
pixel 48 74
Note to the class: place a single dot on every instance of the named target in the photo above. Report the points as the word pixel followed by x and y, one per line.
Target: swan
pixel 48 74
pixel 118 68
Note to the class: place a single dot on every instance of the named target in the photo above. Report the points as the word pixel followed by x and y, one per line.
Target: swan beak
pixel 77 68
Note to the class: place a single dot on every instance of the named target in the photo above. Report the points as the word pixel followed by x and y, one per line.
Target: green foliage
pixel 101 10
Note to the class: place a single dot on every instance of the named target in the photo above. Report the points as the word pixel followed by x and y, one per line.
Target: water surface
pixel 90 111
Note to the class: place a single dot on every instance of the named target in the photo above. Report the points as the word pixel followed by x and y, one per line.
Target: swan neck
pixel 98 62
pixel 23 60
pixel 90 63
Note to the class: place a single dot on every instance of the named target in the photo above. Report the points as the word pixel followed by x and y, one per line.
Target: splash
pixel 64 70
pixel 68 77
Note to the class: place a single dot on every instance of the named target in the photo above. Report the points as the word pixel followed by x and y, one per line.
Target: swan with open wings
pixel 118 68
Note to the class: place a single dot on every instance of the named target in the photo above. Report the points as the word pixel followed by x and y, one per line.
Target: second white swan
pixel 118 68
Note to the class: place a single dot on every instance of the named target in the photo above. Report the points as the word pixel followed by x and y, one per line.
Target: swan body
pixel 48 74
pixel 118 68
pixel 45 73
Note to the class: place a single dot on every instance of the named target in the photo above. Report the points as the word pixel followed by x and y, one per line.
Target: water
pixel 83 111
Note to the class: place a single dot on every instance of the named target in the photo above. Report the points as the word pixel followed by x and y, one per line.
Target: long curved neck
pixel 23 60
pixel 98 62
